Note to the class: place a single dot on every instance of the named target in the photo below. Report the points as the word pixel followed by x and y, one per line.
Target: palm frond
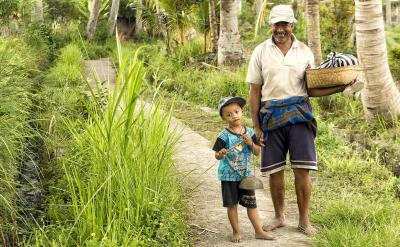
pixel 261 17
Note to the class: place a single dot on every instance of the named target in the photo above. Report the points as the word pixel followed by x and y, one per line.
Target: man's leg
pixel 277 188
pixel 303 186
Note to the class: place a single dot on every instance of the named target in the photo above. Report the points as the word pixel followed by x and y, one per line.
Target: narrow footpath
pixel 209 221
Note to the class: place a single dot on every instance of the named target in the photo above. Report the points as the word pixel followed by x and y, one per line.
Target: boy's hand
pixel 221 153
pixel 247 139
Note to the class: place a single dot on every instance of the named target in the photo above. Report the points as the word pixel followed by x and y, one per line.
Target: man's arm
pixel 254 103
pixel 318 92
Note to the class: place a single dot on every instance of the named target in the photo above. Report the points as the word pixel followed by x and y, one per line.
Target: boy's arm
pixel 254 148
pixel 219 148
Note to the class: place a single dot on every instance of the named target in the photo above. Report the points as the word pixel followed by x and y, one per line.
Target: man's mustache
pixel 280 33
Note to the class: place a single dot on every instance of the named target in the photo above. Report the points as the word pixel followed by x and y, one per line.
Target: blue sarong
pixel 275 114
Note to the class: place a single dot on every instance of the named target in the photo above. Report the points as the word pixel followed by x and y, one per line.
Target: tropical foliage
pixel 107 171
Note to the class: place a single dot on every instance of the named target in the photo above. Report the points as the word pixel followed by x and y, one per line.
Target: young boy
pixel 233 149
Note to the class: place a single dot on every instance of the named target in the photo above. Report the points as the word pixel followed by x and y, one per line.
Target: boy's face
pixel 232 114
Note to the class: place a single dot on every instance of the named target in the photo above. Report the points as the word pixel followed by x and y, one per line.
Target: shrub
pixel 68 68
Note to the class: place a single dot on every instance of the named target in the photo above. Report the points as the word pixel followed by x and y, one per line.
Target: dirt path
pixel 209 220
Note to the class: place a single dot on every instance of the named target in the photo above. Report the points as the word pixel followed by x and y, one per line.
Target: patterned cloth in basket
pixel 337 59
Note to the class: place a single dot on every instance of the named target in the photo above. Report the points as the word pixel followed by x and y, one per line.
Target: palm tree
pixel 112 20
pixel 313 31
pixel 38 10
pixel 213 25
pixel 92 23
pixel 201 22
pixel 230 50
pixel 138 17
pixel 380 95
pixel 178 15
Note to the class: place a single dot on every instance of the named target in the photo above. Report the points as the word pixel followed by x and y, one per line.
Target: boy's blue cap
pixel 228 100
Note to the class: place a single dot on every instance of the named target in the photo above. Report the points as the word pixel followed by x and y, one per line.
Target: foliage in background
pixel 7 8
pixel 393 42
pixel 394 63
pixel 39 37
pixel 336 22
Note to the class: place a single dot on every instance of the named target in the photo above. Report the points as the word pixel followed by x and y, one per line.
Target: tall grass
pixel 68 69
pixel 15 104
pixel 122 188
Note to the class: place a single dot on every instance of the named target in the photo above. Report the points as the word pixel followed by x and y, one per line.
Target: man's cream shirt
pixel 281 76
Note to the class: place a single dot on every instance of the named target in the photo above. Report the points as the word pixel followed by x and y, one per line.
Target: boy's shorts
pixel 232 195
pixel 298 139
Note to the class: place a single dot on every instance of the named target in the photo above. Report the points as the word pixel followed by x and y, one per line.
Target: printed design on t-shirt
pixel 237 157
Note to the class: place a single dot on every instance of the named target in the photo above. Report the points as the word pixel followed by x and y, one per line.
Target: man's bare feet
pixel 308 230
pixel 264 235
pixel 236 237
pixel 276 223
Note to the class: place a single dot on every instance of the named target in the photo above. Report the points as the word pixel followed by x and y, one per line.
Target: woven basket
pixel 330 77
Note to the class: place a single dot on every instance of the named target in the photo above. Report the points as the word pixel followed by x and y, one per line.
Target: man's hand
pixel 355 86
pixel 260 136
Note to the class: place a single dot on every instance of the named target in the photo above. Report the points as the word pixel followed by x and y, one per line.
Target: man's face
pixel 282 32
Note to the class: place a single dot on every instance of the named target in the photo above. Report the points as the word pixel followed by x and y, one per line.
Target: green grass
pixel 68 68
pixel 16 83
pixel 121 184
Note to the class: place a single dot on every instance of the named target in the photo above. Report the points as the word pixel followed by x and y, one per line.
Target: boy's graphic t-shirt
pixel 236 164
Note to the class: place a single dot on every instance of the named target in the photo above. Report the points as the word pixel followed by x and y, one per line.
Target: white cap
pixel 281 13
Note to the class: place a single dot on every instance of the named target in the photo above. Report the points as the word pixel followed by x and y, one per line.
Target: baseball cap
pixel 228 100
pixel 281 13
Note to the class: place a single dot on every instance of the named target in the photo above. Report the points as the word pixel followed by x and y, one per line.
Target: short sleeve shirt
pixel 236 164
pixel 281 76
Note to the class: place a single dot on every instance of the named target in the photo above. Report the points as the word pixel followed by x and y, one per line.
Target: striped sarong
pixel 274 114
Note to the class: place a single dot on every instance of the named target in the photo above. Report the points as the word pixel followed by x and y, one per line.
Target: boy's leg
pixel 230 197
pixel 255 221
pixel 234 220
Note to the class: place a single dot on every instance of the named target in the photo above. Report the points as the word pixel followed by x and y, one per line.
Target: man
pixel 281 113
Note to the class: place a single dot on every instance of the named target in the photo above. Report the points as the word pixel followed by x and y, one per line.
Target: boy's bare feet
pixel 264 235
pixel 276 223
pixel 236 237
pixel 308 230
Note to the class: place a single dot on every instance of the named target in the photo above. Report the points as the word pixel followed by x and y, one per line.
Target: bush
pixel 68 69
